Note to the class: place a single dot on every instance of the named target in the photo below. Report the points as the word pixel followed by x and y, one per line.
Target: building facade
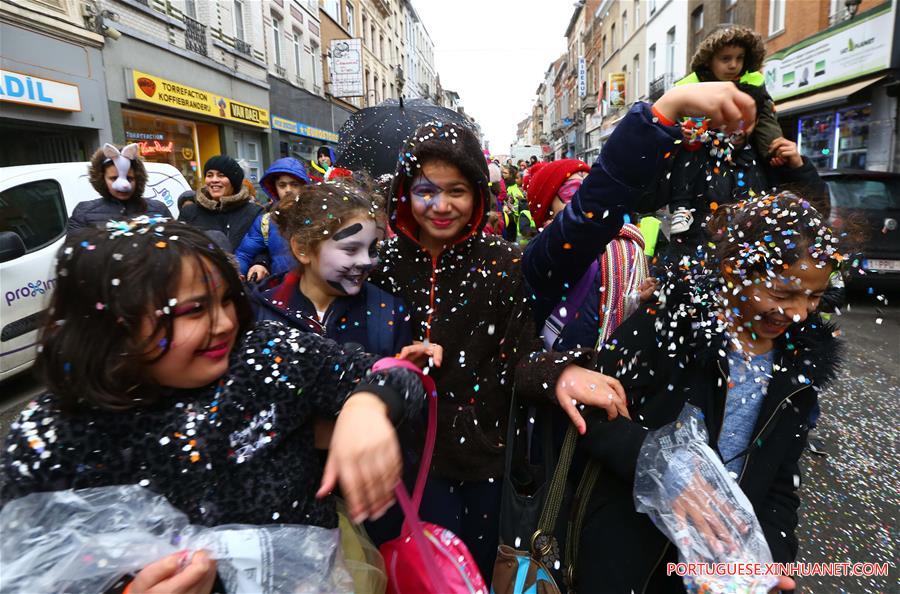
pixel 667 46
pixel 188 80
pixel 52 83
pixel 836 89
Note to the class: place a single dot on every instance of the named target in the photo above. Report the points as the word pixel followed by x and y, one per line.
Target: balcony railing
pixel 281 71
pixel 300 81
pixel 660 85
pixel 195 36
pixel 242 47
pixel 589 103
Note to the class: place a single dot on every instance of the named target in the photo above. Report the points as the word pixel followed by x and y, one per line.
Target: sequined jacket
pixel 237 451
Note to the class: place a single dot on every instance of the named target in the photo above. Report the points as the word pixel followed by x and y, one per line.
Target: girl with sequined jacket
pixel 182 393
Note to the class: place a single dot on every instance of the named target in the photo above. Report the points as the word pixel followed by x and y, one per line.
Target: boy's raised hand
pixel 722 103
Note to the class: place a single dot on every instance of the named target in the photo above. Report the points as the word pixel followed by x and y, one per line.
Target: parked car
pixel 35 203
pixel 872 199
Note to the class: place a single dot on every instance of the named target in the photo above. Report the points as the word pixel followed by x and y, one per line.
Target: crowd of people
pixel 251 360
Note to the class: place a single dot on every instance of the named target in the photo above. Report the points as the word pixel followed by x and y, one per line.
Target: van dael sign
pixel 153 89
pixel 26 89
pixel 860 47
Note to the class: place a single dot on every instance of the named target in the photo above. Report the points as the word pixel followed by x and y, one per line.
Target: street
pixel 849 509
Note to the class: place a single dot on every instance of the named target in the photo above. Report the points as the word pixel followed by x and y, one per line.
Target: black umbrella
pixel 371 139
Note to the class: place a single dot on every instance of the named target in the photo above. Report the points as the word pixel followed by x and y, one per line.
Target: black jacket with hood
pixel 232 215
pixel 471 300
pixel 667 354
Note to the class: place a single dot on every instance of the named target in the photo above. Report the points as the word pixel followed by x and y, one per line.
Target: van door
pixel 36 212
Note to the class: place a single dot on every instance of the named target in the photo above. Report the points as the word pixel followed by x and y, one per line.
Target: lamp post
pixel 852 7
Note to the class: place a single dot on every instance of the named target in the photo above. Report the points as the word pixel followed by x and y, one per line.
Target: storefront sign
pixel 617 89
pixel 40 92
pixel 160 91
pixel 302 129
pixel 860 47
pixel 155 147
pixel 346 68
pixel 582 76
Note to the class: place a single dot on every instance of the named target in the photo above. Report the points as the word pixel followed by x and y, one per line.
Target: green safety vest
pixel 756 79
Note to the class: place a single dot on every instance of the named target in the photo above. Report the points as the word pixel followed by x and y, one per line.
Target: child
pixel 223 203
pixel 181 393
pixel 736 53
pixel 321 166
pixel 120 178
pixel 333 230
pixel 745 346
pixel 263 248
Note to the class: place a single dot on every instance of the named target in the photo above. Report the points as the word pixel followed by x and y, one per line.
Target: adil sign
pixel 26 89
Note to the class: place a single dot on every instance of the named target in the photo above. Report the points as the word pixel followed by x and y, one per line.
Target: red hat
pixel 545 183
pixel 529 173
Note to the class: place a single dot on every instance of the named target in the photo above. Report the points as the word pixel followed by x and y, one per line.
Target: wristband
pixel 659 116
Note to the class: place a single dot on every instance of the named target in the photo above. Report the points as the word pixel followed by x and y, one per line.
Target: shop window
pixel 868 194
pixel 166 140
pixel 35 211
pixel 836 139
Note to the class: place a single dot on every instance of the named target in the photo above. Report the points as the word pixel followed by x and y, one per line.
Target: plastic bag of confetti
pixel 683 486
pixel 83 541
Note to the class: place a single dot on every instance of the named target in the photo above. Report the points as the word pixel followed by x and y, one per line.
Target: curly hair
pixel 747 38
pixel 97 175
pixel 320 210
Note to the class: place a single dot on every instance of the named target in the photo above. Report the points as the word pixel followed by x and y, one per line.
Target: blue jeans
pixel 471 510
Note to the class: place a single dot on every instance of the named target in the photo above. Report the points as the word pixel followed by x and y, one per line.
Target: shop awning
pixel 824 98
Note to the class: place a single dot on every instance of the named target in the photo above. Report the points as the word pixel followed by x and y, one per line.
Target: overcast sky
pixel 494 54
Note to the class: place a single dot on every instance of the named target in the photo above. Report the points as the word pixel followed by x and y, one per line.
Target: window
pixel 776 16
pixel 670 51
pixel 612 38
pixel 35 211
pixel 652 6
pixel 381 47
pixel 190 8
pixel 603 49
pixel 316 66
pixel 636 67
pixel 628 90
pixel 624 26
pixel 351 16
pixel 276 46
pixel 697 20
pixel 239 20
pixel 651 62
pixel 728 11
pixel 836 11
pixel 333 8
pixel 298 43
pixel 637 14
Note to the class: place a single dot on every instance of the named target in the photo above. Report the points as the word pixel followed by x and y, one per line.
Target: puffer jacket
pixel 232 215
pixel 97 212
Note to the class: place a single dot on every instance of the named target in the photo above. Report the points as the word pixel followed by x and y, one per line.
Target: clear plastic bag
pixel 690 496
pixel 83 541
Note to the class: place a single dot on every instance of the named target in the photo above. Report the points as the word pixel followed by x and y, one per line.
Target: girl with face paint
pixel 334 231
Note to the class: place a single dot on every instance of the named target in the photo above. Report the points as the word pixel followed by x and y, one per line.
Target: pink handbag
pixel 426 557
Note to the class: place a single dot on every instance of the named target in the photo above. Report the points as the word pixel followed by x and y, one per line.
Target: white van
pixel 35 203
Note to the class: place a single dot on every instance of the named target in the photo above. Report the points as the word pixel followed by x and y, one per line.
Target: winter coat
pixel 97 212
pixel 232 215
pixel 347 319
pixel 239 451
pixel 699 179
pixel 562 252
pixel 668 354
pixel 263 244
pixel 470 299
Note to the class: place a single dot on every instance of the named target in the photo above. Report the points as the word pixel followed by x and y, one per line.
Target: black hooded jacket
pixel 667 354
pixel 471 300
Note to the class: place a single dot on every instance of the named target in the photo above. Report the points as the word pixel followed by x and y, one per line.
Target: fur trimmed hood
pixel 226 203
pixel 96 175
pixel 750 40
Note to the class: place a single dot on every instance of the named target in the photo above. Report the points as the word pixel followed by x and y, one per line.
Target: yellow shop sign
pixel 160 91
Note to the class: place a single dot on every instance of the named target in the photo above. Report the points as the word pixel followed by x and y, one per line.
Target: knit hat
pixel 545 182
pixel 229 167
